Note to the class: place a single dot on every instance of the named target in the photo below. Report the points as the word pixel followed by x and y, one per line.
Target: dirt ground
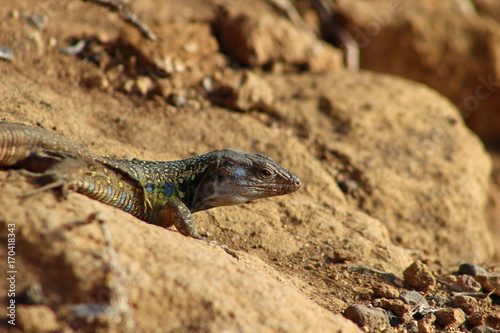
pixel 396 194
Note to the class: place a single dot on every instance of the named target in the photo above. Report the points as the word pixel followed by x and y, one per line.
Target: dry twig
pixel 122 9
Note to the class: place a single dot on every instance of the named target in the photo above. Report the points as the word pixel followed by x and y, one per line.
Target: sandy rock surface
pixel 392 179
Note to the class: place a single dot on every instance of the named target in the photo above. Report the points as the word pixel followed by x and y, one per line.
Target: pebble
pixel 462 283
pixel 486 318
pixel 385 290
pixel 426 324
pixel 466 303
pixel 177 100
pixel 144 84
pixel 373 319
pixel 483 329
pixel 36 20
pixel 190 47
pixel 6 53
pixel 37 318
pixel 450 316
pixel 413 298
pixel 395 305
pixel 348 186
pixel 419 276
pixel 208 84
pixel 470 269
pixel 490 282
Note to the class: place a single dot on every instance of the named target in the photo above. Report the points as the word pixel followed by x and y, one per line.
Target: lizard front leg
pixel 176 213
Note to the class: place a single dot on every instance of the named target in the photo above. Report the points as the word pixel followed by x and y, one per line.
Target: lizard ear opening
pixel 222 174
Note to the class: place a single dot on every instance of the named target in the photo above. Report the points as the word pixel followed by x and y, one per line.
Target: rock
pixel 169 56
pixel 462 283
pixel 413 298
pixel 397 306
pixel 430 31
pixel 485 317
pixel 263 39
pixel 144 85
pixel 372 319
pixel 385 290
pixel 490 282
pixel 95 80
pixel 253 93
pixel 468 304
pixel 177 294
pixel 426 324
pixel 470 269
pixel 36 318
pixel 390 161
pixel 419 276
pixel 450 317
pixel 483 329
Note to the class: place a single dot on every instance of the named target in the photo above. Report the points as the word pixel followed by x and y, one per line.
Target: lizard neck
pixel 192 176
pixel 185 180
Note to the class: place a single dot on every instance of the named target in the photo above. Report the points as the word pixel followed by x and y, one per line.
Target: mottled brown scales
pixel 162 193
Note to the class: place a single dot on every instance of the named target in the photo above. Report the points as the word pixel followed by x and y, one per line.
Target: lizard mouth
pixel 281 189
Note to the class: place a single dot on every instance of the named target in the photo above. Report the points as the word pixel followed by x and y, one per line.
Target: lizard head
pixel 237 176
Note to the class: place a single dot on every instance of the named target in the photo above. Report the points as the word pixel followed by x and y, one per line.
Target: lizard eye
pixel 265 173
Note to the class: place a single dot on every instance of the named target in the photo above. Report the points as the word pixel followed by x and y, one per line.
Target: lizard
pixel 162 193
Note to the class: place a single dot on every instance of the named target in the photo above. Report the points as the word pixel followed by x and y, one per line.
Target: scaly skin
pixel 162 193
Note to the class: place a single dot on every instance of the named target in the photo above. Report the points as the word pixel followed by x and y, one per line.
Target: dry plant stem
pixel 326 10
pixel 127 16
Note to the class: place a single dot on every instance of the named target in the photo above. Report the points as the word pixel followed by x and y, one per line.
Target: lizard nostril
pixel 298 183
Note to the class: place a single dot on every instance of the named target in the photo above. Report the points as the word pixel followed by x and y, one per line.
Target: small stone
pixel 97 80
pixel 165 64
pixel 470 269
pixel 208 84
pixel 370 318
pixel 453 317
pixel 413 298
pixel 348 186
pixel 190 47
pixel 179 66
pixel 144 84
pixel 164 87
pixel 426 324
pixel 6 53
pixel 466 303
pixel 128 85
pixel 254 92
pixel 38 21
pixel 462 283
pixel 468 284
pixel 14 14
pixel 397 306
pixel 52 41
pixel 412 326
pixel 419 276
pixel 483 329
pixel 37 318
pixel 385 290
pixel 490 282
pixel 177 100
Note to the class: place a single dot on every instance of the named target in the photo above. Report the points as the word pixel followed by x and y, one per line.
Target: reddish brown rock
pixel 450 317
pixel 419 276
pixel 263 39
pixel 373 319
